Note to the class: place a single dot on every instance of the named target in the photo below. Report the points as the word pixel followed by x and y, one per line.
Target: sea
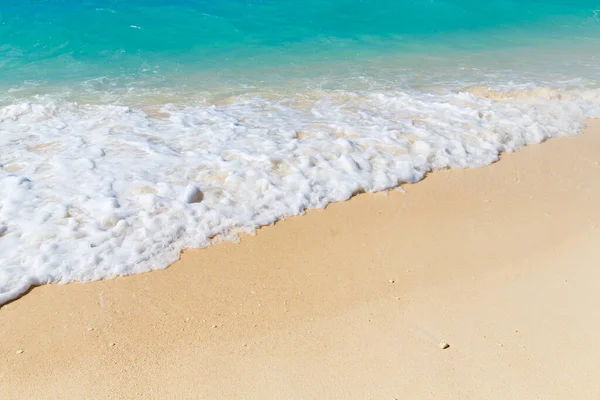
pixel 132 129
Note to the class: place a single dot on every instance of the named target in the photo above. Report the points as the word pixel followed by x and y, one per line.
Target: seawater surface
pixel 130 130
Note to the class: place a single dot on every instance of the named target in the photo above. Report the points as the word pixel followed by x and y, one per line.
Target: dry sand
pixel 352 302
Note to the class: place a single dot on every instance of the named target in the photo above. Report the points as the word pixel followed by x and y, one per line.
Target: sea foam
pixel 95 191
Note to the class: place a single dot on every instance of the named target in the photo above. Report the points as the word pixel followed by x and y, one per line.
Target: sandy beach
pixel 350 302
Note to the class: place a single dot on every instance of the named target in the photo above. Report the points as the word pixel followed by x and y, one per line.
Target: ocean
pixel 130 130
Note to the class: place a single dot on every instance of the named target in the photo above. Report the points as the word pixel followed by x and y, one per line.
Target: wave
pixel 95 191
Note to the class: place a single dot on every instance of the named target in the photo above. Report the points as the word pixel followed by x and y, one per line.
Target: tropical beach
pixel 273 199
pixel 350 302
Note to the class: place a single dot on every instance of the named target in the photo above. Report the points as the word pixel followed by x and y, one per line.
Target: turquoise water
pixel 130 130
pixel 74 40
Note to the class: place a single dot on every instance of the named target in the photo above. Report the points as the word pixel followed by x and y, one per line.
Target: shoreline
pixel 349 302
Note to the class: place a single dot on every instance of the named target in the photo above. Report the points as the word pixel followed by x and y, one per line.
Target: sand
pixel 352 302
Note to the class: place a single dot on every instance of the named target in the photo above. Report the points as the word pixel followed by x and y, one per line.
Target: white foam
pixel 91 192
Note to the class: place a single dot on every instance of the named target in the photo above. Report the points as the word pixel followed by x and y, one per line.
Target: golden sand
pixel 353 302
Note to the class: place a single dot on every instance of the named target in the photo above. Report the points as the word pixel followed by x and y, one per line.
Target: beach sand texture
pixel 351 302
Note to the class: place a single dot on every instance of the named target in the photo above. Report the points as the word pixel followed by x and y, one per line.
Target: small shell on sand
pixel 444 345
pixel 19 351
